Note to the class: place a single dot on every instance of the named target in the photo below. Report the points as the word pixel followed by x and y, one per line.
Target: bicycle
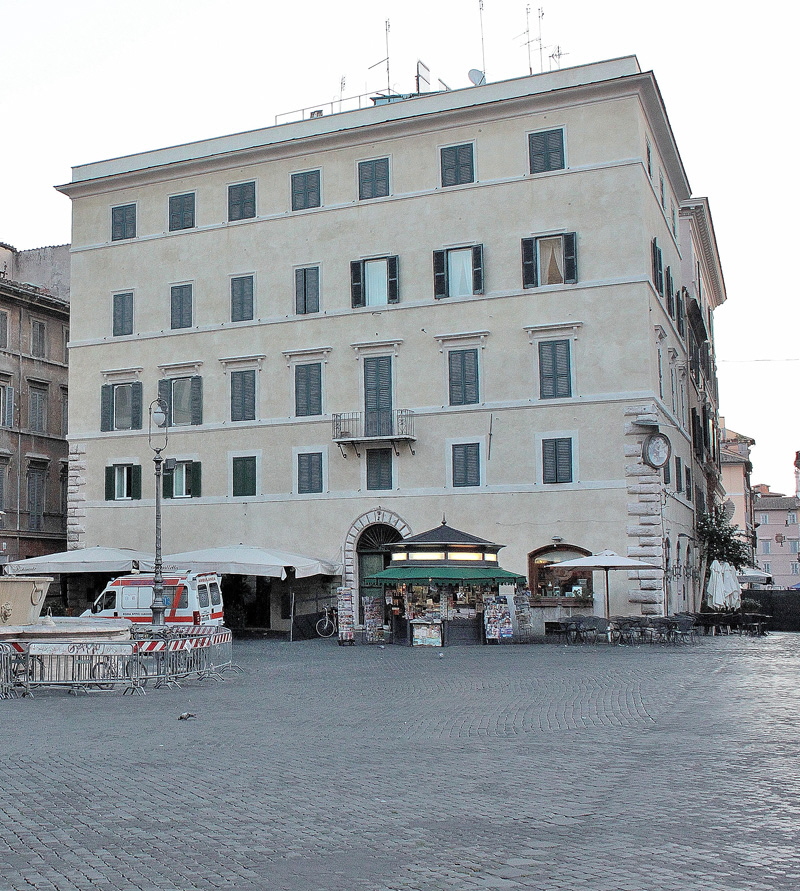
pixel 328 625
pixel 108 670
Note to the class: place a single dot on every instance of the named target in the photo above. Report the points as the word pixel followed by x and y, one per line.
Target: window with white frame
pixel 466 464
pixel 458 272
pixel 242 298
pixel 244 474
pixel 181 306
pixel 373 179
pixel 241 201
pixel 309 473
pixel 121 406
pixel 379 469
pixel 122 314
pixel 766 546
pixel 374 282
pixel 123 482
pixel 763 519
pixel 791 518
pixel 183 397
pixel 306 190
pixel 549 260
pixel 183 481
pixel 181 212
pixel 243 395
pixel 557 460
pixel 546 150
pixel 794 546
pixel 123 222
pixel 306 290
pixel 458 164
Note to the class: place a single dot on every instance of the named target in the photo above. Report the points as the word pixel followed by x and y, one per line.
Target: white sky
pixel 84 80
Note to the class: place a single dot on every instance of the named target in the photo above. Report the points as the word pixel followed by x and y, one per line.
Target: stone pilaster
pixel 76 496
pixel 645 529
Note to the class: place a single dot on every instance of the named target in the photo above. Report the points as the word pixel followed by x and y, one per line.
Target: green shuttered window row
pixel 379 469
pixel 244 476
pixel 306 287
pixel 546 151
pixel 306 190
pixel 181 212
pixel 308 389
pixel 123 222
pixel 242 201
pixel 123 482
pixel 458 165
pixel 185 481
pixel 184 400
pixel 374 282
pixel 121 406
pixel 242 298
pixel 549 260
pixel 122 322
pixel 373 179
pixel 458 272
pixel 243 395
pixel 181 306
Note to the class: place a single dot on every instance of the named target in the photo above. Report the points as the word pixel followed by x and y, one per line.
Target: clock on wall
pixel 656 450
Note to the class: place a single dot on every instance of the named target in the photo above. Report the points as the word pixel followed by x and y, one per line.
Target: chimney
pixel 797 474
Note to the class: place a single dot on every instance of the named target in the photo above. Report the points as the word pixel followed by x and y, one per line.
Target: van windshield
pixel 107 600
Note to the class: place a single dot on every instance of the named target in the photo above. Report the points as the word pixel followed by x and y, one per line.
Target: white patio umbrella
pixel 249 560
pixel 95 559
pixel 605 560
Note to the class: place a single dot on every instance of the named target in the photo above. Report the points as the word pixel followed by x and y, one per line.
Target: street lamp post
pixel 159 435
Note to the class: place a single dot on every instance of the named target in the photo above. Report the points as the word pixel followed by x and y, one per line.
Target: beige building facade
pixel 477 303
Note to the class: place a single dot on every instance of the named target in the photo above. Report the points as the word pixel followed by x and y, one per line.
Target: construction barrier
pixel 157 657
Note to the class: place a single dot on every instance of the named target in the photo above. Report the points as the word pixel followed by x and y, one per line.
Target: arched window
pixel 548 581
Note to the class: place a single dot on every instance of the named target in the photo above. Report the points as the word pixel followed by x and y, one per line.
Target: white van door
pixel 204 603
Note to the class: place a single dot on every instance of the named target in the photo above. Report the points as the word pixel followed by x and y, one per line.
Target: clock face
pixel 656 450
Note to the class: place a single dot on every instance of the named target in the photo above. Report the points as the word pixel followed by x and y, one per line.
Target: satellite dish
pixel 477 77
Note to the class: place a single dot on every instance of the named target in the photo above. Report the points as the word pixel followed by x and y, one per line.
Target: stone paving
pixel 363 769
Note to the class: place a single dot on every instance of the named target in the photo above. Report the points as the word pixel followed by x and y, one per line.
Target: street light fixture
pixel 157 436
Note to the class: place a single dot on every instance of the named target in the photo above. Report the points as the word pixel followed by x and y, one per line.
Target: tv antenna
pixel 529 40
pixel 483 50
pixel 556 55
pixel 388 78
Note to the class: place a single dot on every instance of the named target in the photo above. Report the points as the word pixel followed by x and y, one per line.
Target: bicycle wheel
pixel 325 627
pixel 136 670
pixel 103 675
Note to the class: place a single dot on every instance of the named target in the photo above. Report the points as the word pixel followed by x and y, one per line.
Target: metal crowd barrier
pixel 157 657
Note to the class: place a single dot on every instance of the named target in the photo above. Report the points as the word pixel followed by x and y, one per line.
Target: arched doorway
pixel 373 557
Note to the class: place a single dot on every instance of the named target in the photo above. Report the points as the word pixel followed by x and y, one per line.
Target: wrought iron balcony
pixel 354 427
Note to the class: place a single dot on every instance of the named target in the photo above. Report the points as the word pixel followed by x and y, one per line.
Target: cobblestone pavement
pixel 340 769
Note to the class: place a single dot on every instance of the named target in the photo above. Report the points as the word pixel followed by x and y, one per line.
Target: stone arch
pixel 372 517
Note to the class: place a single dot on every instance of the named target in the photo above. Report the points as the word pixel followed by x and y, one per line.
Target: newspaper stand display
pixel 344 598
pixel 439 585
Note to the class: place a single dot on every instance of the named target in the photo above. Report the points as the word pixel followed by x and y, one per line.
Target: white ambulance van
pixel 190 598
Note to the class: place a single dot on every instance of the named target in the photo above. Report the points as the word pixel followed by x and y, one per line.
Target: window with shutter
pixel 466 464
pixel 669 288
pixel 374 282
pixel 6 405
pixel 555 375
pixel 457 165
pixel 546 150
pixel 242 298
pixel 242 201
pixel 38 339
pixel 458 272
pixel 463 374
pixel 122 322
pixel 379 468
pixel 549 260
pixel 181 306
pixel 243 395
pixel 309 473
pixel 3 475
pixel 658 268
pixel 3 330
pixel 308 389
pixel 181 482
pixel 678 474
pixel 181 212
pixel 244 476
pixel 123 222
pixel 306 190
pixel 180 402
pixel 373 179
pixel 557 460
pixel 378 396
pixel 36 498
pixel 37 409
pixel 306 289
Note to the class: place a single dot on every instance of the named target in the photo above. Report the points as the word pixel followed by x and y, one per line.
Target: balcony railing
pixel 358 426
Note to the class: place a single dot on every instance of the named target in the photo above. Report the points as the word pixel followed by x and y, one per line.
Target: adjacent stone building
pixel 34 331
pixel 482 303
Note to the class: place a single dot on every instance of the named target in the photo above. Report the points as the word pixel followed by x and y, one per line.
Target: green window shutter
pixel 529 276
pixel 242 201
pixel 393 279
pixel 123 222
pixel 667 476
pixel 658 274
pixel 466 166
pixel 8 407
pixel 196 397
pixel 373 179
pixel 3 330
pixel 570 259
pixel 136 482
pixel 136 405
pixel 557 460
pixel 168 484
pixel 106 407
pixel 243 392
pixel 300 291
pixel 546 151
pixel 439 274
pixel 181 212
pixel 197 479
pixel 378 395
pixel 110 484
pixel 307 290
pixel 181 306
pixel 555 377
pixel 379 469
pixel 122 323
pixel 308 389
pixel 669 286
pixel 477 269
pixel 357 291
pixel 463 368
pixel 165 395
pixel 309 473
pixel 244 476
pixel 466 464
pixel 449 165
pixel 242 298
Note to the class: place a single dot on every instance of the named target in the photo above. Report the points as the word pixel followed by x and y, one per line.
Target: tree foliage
pixel 721 540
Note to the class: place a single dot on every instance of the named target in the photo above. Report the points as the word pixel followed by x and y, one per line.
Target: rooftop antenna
pixel 528 36
pixel 556 55
pixel 541 60
pixel 388 78
pixel 483 51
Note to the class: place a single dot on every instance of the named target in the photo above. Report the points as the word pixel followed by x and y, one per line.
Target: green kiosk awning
pixel 478 575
